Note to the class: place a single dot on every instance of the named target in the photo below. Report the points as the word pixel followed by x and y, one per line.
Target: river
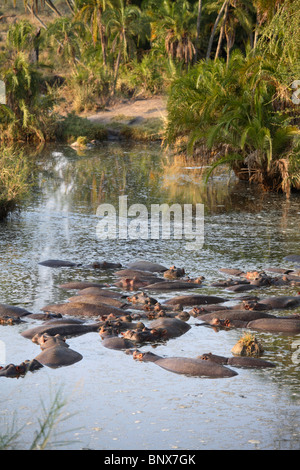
pixel 111 401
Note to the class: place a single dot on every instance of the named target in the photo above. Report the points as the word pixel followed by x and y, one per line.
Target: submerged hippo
pixel 100 291
pixel 244 315
pixel 195 300
pixel 13 371
pixel 12 311
pixel 64 329
pixel 187 366
pixel 144 265
pixel 55 351
pixel 281 302
pixel 57 263
pixel 83 309
pixel 248 362
pixel 97 300
pixel 174 273
pixel 276 325
pixel 171 285
pixel 173 327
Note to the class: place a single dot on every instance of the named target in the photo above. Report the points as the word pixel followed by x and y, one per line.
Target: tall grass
pixel 15 175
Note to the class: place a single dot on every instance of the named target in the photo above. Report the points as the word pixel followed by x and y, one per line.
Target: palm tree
pixel 173 22
pixel 92 11
pixel 124 24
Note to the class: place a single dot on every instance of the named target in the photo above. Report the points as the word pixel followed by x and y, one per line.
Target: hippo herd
pixel 127 315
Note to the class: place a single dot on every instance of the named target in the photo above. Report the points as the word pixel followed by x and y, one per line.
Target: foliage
pixel 235 110
pixel 15 174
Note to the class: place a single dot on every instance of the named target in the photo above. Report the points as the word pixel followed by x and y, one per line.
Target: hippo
pixel 117 342
pixel 131 284
pixel 247 362
pixel 83 309
pixel 135 273
pixel 278 270
pixel 198 311
pixel 13 371
pixel 293 258
pixel 44 316
pixel 145 335
pixel 97 300
pixel 7 320
pixel 100 291
pixel 55 351
pixel 12 311
pixel 63 329
pixel 244 315
pixel 174 273
pixel 142 298
pixel 232 271
pixel 187 366
pixel 56 263
pixel 276 325
pixel 171 285
pixel 103 265
pixel 143 265
pixel 173 326
pixel 281 302
pixel 194 300
pixel 241 287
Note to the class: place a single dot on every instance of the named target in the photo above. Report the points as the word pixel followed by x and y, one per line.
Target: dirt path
pixel 137 110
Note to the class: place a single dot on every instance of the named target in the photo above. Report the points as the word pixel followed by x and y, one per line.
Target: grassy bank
pixel 15 176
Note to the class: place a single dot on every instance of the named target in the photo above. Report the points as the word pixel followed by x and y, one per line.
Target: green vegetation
pixel 226 66
pixel 15 173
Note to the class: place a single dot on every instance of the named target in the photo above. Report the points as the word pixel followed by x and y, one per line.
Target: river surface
pixel 111 401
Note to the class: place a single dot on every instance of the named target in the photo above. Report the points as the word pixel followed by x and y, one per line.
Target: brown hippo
pixel 173 326
pixel 83 309
pixel 103 265
pixel 174 273
pixel 186 300
pixel 57 263
pixel 131 283
pixel 145 335
pixel 187 366
pixel 100 291
pixel 117 342
pixel 97 300
pixel 12 311
pixel 198 311
pixel 67 329
pixel 171 285
pixel 232 271
pixel 55 351
pixel 143 265
pixel 142 298
pixel 244 315
pixel 276 325
pixel 13 371
pixel 281 302
pixel 248 362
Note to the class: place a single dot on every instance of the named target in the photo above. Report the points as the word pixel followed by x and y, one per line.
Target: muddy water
pixel 111 401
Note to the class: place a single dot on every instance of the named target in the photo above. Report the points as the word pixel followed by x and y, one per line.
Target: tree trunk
pixel 53 7
pixel 198 28
pixel 117 70
pixel 222 32
pixel 214 29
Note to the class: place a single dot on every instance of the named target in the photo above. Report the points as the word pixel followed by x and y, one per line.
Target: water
pixel 113 402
